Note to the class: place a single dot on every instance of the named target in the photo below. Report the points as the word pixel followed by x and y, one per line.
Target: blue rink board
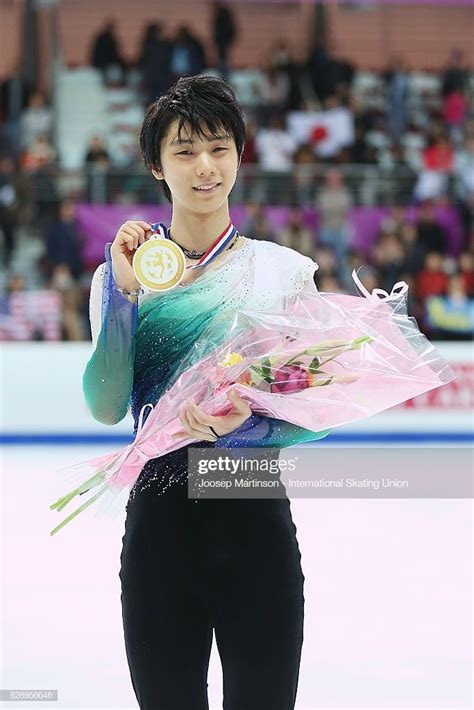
pixel 380 437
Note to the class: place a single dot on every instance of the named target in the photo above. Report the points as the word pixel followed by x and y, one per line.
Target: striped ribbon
pixel 214 250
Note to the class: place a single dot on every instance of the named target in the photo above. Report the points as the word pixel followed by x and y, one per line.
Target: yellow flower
pixel 230 359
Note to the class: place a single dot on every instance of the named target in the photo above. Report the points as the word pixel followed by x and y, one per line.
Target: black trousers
pixel 193 567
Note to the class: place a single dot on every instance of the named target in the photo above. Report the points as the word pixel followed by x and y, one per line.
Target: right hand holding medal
pixel 129 237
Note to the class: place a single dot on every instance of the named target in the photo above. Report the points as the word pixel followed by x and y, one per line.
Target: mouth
pixel 208 188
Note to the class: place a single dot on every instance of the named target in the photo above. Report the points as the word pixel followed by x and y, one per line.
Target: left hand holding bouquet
pixel 196 422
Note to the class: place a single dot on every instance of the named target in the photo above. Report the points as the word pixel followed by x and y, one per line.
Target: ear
pixel 157 174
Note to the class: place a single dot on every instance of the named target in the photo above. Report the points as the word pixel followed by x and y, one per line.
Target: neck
pixel 198 231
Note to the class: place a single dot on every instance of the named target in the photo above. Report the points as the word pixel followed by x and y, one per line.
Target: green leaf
pixel 313 365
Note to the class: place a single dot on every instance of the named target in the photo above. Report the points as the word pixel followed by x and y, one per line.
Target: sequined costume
pixel 191 567
pixel 139 346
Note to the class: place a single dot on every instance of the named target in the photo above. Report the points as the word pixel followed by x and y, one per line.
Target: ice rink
pixel 388 597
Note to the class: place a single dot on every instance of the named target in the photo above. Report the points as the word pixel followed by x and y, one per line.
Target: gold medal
pixel 159 264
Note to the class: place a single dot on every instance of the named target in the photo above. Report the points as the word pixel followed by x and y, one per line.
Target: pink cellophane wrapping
pixel 397 364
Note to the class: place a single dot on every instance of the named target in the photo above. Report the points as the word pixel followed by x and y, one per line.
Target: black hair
pixel 193 100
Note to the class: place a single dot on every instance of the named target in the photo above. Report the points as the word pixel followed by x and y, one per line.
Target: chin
pixel 210 204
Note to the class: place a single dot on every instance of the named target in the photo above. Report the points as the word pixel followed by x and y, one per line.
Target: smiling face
pixel 200 170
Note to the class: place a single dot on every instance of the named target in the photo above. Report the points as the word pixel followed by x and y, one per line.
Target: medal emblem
pixel 159 264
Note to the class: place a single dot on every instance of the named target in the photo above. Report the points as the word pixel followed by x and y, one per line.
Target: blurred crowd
pixel 311 126
pixel 411 246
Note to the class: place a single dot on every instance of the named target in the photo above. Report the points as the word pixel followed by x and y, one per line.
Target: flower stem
pixel 90 483
pixel 100 492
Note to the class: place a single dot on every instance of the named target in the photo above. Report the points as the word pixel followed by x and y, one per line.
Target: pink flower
pixel 289 378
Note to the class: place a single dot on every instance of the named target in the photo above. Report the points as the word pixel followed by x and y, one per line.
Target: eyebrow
pixel 211 139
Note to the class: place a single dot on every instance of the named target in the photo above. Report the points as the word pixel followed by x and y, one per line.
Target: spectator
pixel 62 281
pixel 248 179
pixel 438 163
pixel 63 242
pixel 105 52
pixel 334 203
pixel 319 67
pixel 96 151
pixel 466 271
pixel 39 154
pixel 455 114
pixel 187 57
pixel 224 34
pixel 14 93
pixel 99 180
pixel 453 313
pixel 394 221
pixel 430 234
pixel 389 260
pixel 36 120
pixel 466 211
pixel 275 148
pixel 14 199
pixel 303 181
pixel 414 252
pixel 440 154
pixel 282 59
pixel 464 170
pixel 155 62
pixel 360 152
pixel 343 72
pixel 398 86
pixel 324 257
pixel 328 283
pixel 456 76
pixel 257 226
pixel 295 235
pixel 273 88
pixel 432 280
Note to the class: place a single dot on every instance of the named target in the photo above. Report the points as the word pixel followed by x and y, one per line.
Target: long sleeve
pixel 108 376
pixel 260 431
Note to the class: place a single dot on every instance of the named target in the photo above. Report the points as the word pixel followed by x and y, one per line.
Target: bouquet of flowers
pixel 287 365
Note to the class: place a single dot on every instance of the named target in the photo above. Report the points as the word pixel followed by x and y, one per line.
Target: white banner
pixel 42 394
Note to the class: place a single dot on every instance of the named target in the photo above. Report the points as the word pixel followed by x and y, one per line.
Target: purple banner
pixel 99 224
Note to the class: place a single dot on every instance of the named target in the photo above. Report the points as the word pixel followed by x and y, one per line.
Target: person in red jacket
pixel 465 264
pixel 439 156
pixel 431 281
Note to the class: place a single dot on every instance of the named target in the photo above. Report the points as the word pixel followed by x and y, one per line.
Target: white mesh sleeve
pixel 95 303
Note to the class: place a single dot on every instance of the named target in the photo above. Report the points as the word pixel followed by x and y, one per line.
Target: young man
pixel 190 567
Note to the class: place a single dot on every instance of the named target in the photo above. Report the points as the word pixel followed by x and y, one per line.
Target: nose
pixel 205 166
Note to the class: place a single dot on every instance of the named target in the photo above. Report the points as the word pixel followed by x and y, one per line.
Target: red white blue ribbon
pixel 214 250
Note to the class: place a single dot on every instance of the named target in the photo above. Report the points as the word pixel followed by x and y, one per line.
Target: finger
pixel 134 225
pixel 136 232
pixel 129 240
pixel 200 415
pixel 139 231
pixel 192 431
pixel 183 421
pixel 197 425
pixel 240 404
pixel 145 225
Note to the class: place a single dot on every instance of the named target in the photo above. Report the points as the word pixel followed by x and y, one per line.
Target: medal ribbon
pixel 214 250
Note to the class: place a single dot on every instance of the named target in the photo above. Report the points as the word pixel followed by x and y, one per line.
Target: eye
pixel 188 152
